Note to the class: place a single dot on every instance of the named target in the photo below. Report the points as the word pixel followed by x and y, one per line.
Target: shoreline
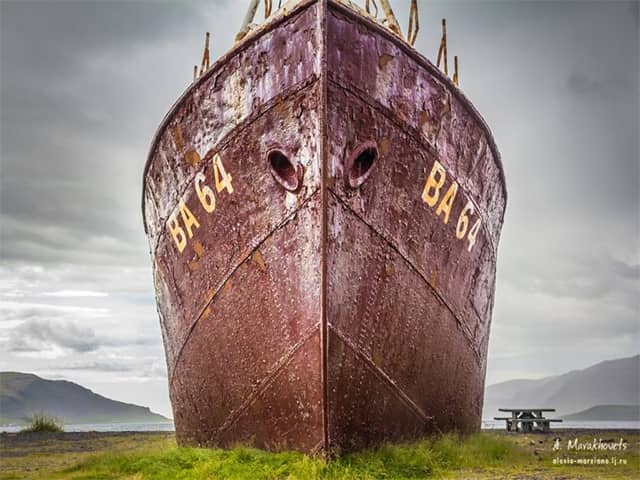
pixel 15 430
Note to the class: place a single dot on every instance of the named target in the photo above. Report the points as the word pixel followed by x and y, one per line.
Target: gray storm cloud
pixel 38 335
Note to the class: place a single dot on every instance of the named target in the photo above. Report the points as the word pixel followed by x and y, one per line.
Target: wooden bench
pixel 527 419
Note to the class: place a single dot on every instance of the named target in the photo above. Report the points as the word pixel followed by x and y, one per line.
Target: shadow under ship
pixel 323 208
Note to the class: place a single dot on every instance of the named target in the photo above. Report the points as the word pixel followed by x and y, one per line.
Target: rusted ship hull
pixel 323 209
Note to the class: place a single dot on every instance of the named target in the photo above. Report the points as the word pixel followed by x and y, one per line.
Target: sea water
pixel 104 427
pixel 488 424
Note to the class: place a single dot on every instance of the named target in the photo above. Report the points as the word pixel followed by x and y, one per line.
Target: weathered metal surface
pixel 345 311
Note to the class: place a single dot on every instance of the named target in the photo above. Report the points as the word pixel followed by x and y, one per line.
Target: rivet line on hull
pixel 436 73
pixel 324 338
pixel 230 274
pixel 417 137
pixel 228 138
pixel 267 380
pixel 215 69
pixel 440 298
pixel 395 388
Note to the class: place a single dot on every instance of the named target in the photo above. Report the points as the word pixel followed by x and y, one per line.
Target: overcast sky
pixel 85 84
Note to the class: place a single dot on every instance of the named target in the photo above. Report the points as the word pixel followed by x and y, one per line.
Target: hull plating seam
pixel 381 374
pixel 324 337
pixel 249 41
pixel 267 380
pixel 433 70
pixel 230 274
pixel 233 133
pixel 418 137
pixel 460 323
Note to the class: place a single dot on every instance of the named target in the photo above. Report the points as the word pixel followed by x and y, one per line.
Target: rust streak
pixel 384 59
pixel 198 248
pixel 258 260
pixel 192 157
pixel 177 136
pixel 389 269
pixel 385 145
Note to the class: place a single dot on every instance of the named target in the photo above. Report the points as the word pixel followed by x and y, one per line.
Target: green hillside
pixel 23 395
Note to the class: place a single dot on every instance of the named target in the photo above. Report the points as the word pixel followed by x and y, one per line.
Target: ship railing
pixel 371 10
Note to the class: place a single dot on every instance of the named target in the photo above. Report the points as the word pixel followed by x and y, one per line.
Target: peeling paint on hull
pixel 329 318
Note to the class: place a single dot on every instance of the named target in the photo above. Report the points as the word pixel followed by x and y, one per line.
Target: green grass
pixel 486 455
pixel 43 423
pixel 429 458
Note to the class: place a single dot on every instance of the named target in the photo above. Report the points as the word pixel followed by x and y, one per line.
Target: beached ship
pixel 323 207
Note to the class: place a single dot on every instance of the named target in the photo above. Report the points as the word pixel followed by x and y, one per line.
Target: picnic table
pixel 527 419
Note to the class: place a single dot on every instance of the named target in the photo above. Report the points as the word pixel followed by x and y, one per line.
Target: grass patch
pixel 425 459
pixel 138 456
pixel 43 423
pixel 429 458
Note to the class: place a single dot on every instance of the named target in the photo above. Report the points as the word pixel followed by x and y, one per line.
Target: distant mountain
pixel 614 382
pixel 614 413
pixel 23 395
